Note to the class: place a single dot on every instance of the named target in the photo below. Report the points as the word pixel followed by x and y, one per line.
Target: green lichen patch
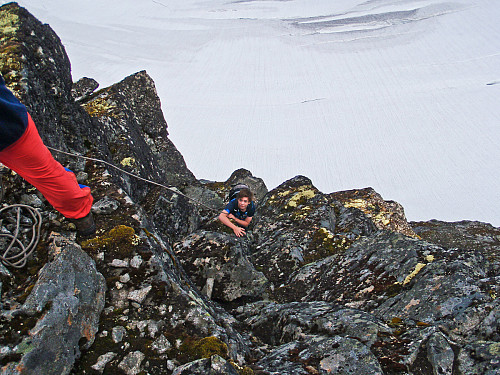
pixel 192 348
pixel 189 348
pixel 291 199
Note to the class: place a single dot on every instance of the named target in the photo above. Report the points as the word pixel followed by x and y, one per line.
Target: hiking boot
pixel 85 226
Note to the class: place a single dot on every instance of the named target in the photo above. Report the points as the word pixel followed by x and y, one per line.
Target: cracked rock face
pixel 322 282
pixel 68 298
pixel 220 265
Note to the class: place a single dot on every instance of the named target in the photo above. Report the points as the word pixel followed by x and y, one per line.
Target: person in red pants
pixel 23 151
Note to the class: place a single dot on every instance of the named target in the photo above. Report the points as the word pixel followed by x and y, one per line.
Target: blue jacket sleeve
pixel 13 117
pixel 230 206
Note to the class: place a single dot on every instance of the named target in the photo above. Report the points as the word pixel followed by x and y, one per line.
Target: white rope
pixel 16 256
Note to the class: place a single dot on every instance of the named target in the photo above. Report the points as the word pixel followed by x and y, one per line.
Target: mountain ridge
pixel 323 283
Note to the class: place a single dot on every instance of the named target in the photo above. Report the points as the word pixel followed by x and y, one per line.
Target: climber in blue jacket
pixel 239 212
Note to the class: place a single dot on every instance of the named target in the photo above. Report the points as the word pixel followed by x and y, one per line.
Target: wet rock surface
pixel 322 282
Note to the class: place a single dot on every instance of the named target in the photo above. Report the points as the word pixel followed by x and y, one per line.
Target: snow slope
pixel 399 95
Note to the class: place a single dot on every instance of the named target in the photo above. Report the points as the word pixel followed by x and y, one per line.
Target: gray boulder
pixel 220 265
pixel 66 301
pixel 215 365
pixel 321 355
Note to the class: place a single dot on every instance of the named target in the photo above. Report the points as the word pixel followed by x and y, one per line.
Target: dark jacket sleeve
pixel 13 117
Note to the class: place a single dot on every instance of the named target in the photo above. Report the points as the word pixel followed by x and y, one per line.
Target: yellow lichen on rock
pixel 381 217
pixel 128 162
pixel 100 107
pixel 11 50
pixel 9 24
pixel 417 269
pixel 304 193
pixel 326 233
pixel 283 193
pixel 361 204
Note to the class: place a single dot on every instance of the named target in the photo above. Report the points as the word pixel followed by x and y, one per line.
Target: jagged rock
pixel 102 361
pixel 31 200
pixel 215 365
pixel 276 324
pixel 442 286
pixel 356 294
pixel 220 265
pixel 133 129
pixel 480 358
pixel 205 196
pixel 118 333
pixel 326 355
pixel 105 206
pixel 256 185
pixel 161 345
pixel 174 215
pixel 131 364
pixel 440 354
pixel 384 214
pixel 139 295
pixel 83 88
pixel 67 300
pixel 296 224
pixel 164 303
pixel 36 67
pixel 123 122
pixel 464 235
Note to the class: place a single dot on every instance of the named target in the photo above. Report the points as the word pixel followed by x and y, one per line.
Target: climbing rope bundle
pixel 21 232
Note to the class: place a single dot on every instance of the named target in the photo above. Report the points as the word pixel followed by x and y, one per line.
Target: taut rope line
pixel 134 175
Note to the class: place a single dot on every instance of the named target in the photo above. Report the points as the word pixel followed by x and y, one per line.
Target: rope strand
pixel 134 175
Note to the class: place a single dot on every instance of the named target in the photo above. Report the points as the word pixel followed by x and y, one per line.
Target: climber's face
pixel 243 203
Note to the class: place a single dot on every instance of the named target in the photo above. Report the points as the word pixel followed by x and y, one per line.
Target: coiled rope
pixel 17 253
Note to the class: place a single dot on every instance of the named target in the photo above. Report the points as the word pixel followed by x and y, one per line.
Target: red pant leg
pixel 29 158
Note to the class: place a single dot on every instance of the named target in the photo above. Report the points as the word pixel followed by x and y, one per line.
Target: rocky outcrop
pixel 242 176
pixel 60 315
pixel 220 265
pixel 384 214
pixel 322 282
pixel 464 235
pixel 36 67
pixel 134 131
pixel 297 225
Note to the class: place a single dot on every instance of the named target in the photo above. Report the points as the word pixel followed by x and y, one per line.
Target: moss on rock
pixel 192 349
pixel 121 239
